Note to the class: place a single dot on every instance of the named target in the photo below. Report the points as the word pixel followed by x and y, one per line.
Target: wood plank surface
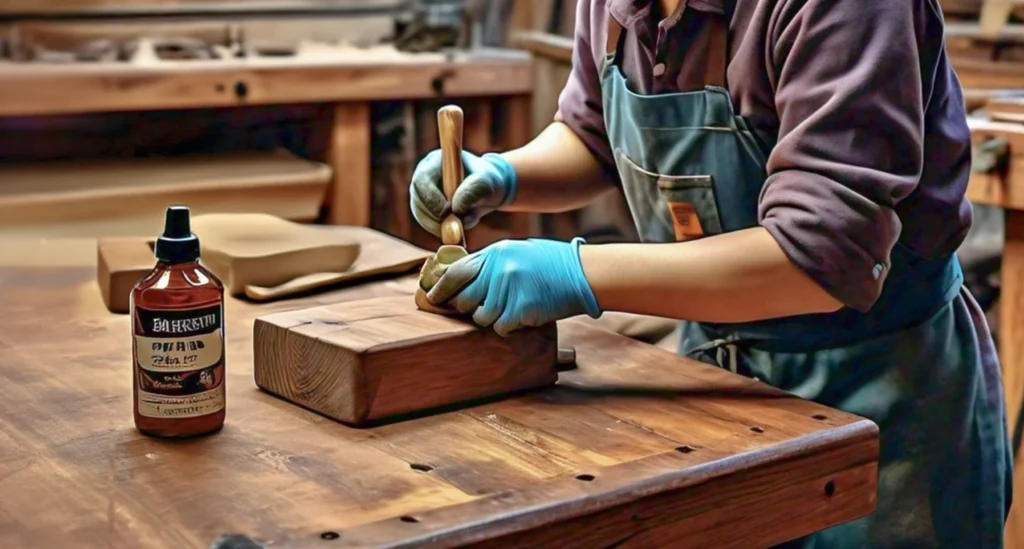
pixel 373 359
pixel 987 74
pixel 637 447
pixel 34 89
pixel 52 196
pixel 165 7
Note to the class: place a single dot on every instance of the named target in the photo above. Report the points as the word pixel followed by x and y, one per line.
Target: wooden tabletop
pixel 635 448
pixel 319 76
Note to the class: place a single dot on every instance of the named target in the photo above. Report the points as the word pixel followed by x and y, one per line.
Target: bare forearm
pixel 556 173
pixel 736 277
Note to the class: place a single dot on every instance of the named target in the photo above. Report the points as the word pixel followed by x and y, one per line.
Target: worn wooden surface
pixel 120 264
pixel 317 77
pixel 93 7
pixel 636 448
pixel 104 197
pixel 123 261
pixel 1003 186
pixel 374 359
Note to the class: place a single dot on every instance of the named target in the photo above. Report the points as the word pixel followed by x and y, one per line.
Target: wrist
pixel 509 177
pixel 587 298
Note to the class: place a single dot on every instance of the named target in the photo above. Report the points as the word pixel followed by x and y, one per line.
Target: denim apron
pixel 921 363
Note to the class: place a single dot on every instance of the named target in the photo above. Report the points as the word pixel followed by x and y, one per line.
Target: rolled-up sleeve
pixel 850 101
pixel 580 103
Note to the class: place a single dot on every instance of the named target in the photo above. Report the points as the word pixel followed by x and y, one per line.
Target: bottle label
pixel 179 355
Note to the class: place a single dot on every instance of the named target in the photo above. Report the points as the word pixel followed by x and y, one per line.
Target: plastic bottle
pixel 177 316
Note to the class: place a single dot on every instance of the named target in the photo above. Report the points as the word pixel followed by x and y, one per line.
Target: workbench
pixel 349 79
pixel 636 447
pixel 997 180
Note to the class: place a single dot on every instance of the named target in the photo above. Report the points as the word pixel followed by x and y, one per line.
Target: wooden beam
pixel 985 74
pixel 1002 187
pixel 82 8
pixel 348 153
pixel 995 14
pixel 318 78
pixel 546 45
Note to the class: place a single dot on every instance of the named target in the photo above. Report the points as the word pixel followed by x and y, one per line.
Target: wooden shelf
pixel 65 198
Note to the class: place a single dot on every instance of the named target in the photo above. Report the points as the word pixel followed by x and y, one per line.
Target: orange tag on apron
pixel 685 221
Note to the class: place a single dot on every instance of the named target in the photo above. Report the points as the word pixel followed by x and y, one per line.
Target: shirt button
pixel 659 69
pixel 877 271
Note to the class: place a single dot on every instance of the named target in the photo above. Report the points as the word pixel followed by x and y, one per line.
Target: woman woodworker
pixel 796 170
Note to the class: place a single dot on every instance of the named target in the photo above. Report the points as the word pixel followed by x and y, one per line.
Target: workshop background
pixel 317 110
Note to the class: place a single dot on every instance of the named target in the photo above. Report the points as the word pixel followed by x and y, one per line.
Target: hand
pixel 490 183
pixel 516 283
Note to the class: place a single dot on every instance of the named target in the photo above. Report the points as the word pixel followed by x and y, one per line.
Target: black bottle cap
pixel 177 244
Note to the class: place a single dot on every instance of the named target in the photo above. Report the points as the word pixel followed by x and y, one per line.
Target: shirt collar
pixel 627 12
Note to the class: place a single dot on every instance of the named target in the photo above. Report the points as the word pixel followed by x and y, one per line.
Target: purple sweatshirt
pixel 872 138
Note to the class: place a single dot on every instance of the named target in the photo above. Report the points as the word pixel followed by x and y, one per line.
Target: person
pixel 796 170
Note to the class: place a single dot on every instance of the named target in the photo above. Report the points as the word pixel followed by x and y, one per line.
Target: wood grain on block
pixel 369 360
pixel 120 264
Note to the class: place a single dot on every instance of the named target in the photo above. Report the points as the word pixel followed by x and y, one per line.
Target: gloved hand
pixel 516 283
pixel 490 183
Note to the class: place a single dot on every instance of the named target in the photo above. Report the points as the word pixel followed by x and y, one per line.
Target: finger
pixel 429 194
pixel 490 311
pixel 470 219
pixel 506 324
pixel 473 191
pixel 426 219
pixel 427 186
pixel 471 296
pixel 529 316
pixel 496 302
pixel 458 275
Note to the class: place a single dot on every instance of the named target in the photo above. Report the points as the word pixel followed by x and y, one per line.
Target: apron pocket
pixel 690 200
pixel 683 205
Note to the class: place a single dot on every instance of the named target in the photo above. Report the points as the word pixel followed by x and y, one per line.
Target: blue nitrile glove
pixel 490 183
pixel 516 283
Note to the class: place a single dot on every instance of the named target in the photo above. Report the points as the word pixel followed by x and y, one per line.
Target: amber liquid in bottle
pixel 178 339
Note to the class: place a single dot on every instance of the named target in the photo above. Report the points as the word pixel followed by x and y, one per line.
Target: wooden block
pixel 365 361
pixel 120 263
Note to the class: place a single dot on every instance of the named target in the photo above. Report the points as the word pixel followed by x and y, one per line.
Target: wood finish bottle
pixel 178 338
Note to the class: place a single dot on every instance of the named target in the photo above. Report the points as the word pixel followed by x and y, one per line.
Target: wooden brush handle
pixel 449 126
